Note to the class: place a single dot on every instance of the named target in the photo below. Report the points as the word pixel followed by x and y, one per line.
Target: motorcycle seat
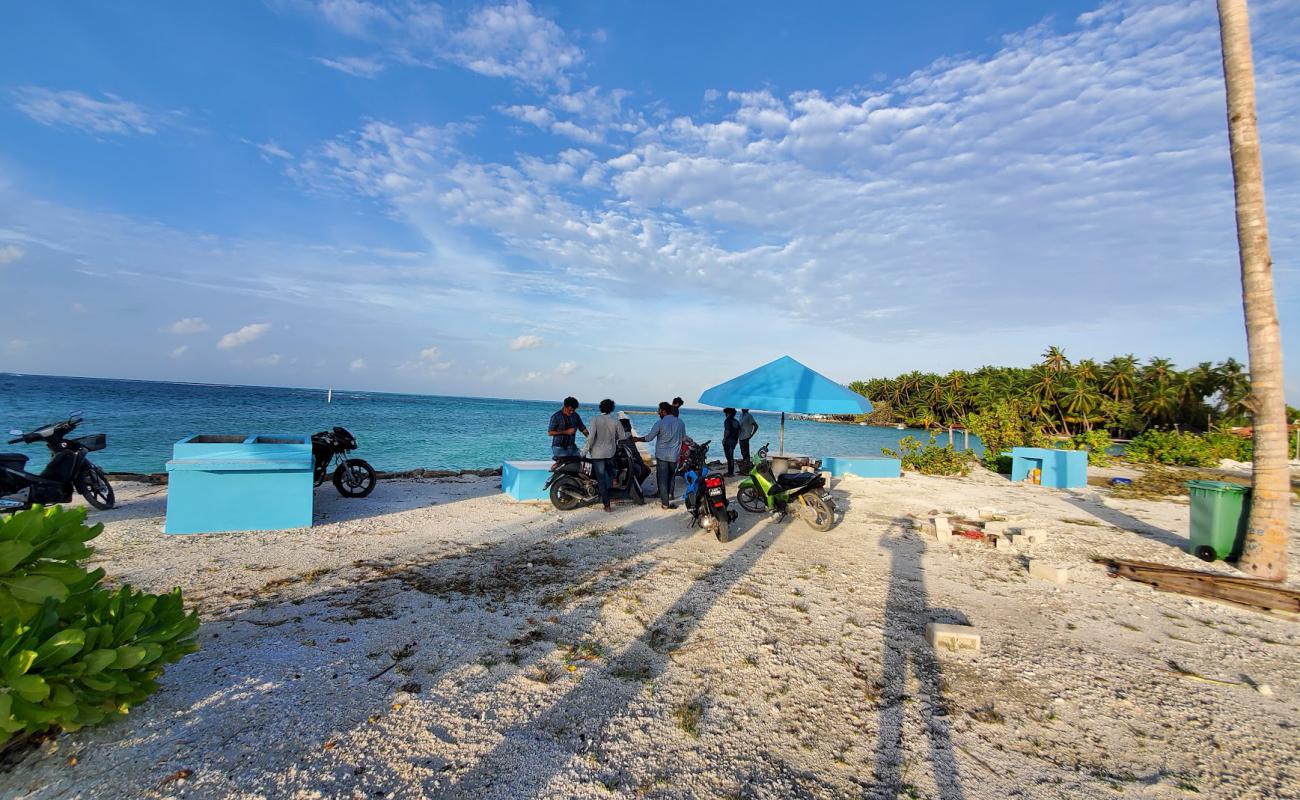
pixel 16 461
pixel 795 479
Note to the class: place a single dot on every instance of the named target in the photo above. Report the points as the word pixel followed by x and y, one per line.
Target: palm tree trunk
pixel 1264 553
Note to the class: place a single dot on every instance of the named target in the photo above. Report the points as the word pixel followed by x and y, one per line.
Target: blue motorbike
pixel 706 494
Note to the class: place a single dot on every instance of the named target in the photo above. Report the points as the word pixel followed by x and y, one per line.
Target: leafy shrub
pixel 930 459
pixel 73 653
pixel 1230 445
pixel 1000 428
pixel 1096 443
pixel 1172 448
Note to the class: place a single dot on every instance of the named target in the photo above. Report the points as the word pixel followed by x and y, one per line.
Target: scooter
pixel 706 494
pixel 353 477
pixel 804 491
pixel 69 468
pixel 573 481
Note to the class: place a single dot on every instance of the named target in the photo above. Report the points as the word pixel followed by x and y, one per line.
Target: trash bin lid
pixel 1218 486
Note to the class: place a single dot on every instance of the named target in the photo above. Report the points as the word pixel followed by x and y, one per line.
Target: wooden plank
pixel 1238 591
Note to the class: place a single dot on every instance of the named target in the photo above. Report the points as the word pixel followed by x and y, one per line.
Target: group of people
pixel 668 433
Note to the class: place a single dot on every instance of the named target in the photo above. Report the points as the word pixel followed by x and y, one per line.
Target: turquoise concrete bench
pixel 526 480
pixel 863 466
pixel 1060 469
pixel 221 483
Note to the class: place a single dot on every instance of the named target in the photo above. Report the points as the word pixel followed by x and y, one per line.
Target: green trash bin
pixel 1219 512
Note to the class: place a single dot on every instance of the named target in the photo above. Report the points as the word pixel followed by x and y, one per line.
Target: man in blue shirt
pixel 667 435
pixel 565 423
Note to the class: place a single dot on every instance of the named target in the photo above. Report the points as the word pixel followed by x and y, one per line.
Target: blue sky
pixel 627 200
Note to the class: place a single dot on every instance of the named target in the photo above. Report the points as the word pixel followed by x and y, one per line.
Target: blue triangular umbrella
pixel 786 385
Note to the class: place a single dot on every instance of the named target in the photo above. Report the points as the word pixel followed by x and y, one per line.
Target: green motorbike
pixel 803 492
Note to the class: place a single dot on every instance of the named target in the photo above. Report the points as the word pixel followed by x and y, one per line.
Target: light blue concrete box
pixel 1061 469
pixel 526 480
pixel 261 482
pixel 863 466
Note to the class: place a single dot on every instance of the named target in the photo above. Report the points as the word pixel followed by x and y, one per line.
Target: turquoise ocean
pixel 143 419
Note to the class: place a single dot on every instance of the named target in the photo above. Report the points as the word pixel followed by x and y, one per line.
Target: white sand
pixel 802 652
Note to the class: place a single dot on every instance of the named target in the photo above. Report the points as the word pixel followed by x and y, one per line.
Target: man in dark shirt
pixel 565 423
pixel 730 437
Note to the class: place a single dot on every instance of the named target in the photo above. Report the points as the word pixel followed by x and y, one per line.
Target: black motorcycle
pixel 573 479
pixel 706 493
pixel 69 468
pixel 353 477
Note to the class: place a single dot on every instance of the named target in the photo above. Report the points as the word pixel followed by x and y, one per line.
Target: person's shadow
pixel 907 610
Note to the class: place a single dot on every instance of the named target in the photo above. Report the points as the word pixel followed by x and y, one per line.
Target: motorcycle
pixel 69 468
pixel 573 481
pixel 706 494
pixel 805 491
pixel 353 477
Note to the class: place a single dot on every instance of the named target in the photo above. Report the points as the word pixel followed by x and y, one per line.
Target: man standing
pixel 601 445
pixel 730 436
pixel 748 427
pixel 677 406
pixel 565 423
pixel 667 434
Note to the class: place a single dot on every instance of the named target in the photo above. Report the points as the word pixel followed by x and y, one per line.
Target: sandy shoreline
pixel 438 640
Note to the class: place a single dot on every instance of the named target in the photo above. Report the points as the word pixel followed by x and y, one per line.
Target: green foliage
pixel 930 459
pixel 1060 397
pixel 1172 448
pixel 1096 443
pixel 1230 445
pixel 1001 427
pixel 71 652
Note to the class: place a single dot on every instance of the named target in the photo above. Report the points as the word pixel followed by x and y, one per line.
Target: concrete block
pixel 997 527
pixel 1046 572
pixel 943 535
pixel 1033 535
pixel 940 524
pixel 987 513
pixel 826 476
pixel 1002 542
pixel 942 635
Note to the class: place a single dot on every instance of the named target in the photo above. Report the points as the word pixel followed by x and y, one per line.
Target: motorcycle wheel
pixel 816 512
pixel 751 500
pixel 722 528
pixel 566 494
pixel 355 478
pixel 93 485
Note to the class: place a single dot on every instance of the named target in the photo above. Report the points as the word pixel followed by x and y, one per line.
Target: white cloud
pixel 355 66
pixel 180 351
pixel 529 377
pixel 566 368
pixel 526 342
pixel 244 335
pixel 10 253
pixel 272 360
pixel 14 346
pixel 429 353
pixel 188 325
pixel 1062 154
pixel 270 150
pixel 77 110
pixel 505 40
pixel 357 365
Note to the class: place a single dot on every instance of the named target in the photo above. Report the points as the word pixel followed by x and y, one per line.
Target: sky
pixel 626 200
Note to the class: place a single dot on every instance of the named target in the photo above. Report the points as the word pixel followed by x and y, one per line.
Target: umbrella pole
pixel 782 440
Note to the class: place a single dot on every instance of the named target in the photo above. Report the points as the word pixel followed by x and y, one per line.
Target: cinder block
pixel 940 523
pixel 987 513
pixel 952 637
pixel 943 535
pixel 1046 572
pixel 1033 535
pixel 826 476
pixel 1002 542
pixel 997 527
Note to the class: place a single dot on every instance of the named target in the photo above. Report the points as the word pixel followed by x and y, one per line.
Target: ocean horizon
pixel 395 431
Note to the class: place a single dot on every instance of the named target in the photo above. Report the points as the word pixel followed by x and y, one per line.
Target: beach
pixel 439 640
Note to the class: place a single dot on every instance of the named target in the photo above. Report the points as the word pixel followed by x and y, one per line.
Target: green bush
pixel 1000 428
pixel 1096 443
pixel 73 653
pixel 1230 445
pixel 930 459
pixel 1172 448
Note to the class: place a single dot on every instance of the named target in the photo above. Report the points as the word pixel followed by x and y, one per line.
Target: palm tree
pixel 1158 370
pixel 1160 403
pixel 1264 553
pixel 1120 375
pixel 1080 400
pixel 1054 359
